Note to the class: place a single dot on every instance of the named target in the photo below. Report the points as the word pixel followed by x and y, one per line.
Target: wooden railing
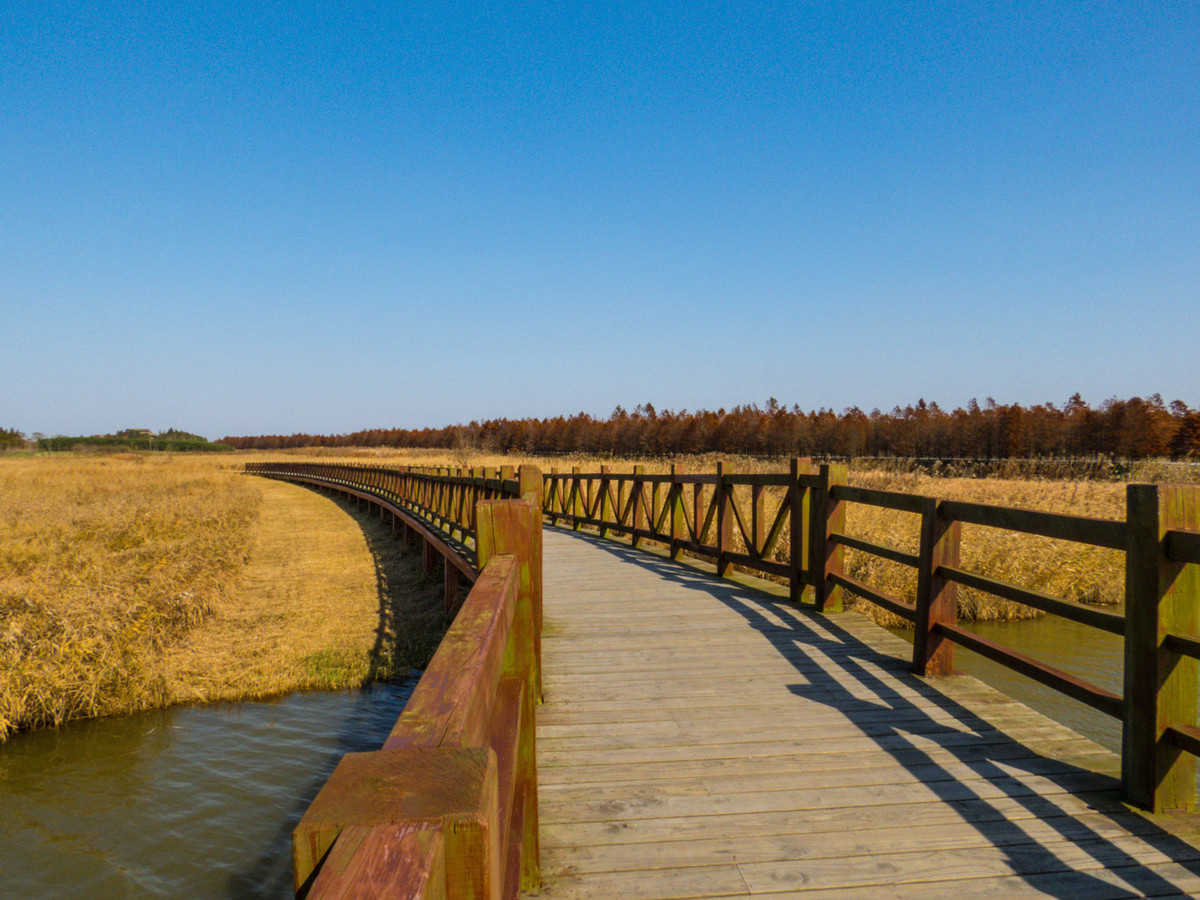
pixel 800 537
pixel 448 806
pixel 432 507
pixel 695 513
pixel 725 518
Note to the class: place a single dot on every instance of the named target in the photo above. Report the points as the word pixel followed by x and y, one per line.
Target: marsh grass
pixel 133 581
pixel 105 562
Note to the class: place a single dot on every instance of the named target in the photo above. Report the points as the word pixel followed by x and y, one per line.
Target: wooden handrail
pixel 448 806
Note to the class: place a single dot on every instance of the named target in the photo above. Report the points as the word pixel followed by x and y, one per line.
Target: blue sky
pixel 246 218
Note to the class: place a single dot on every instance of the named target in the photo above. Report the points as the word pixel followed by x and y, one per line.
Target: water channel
pixel 194 802
pixel 1080 650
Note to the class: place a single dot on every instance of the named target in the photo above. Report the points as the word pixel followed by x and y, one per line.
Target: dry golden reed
pixel 104 562
pixel 330 599
pixel 135 580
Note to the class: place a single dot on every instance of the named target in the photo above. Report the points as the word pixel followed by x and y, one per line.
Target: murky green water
pixel 192 802
pixel 1087 653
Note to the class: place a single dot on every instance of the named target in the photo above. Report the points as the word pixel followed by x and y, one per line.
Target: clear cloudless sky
pixel 269 217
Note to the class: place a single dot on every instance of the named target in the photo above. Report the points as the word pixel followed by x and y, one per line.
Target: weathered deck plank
pixel 702 739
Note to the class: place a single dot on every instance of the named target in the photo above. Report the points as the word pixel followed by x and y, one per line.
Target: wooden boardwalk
pixel 703 739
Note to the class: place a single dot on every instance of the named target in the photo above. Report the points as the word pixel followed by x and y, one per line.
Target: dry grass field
pixel 105 561
pixel 132 581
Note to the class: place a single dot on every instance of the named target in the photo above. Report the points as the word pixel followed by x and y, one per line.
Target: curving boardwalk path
pixel 702 739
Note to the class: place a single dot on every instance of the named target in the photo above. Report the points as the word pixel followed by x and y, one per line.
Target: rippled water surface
pixel 192 802
pixel 1080 650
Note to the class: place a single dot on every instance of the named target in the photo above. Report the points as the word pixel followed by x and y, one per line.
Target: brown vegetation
pixel 1138 428
pixel 104 562
pixel 132 581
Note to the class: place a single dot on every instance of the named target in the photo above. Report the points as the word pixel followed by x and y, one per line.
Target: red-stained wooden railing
pixel 702 514
pixel 695 513
pixel 448 806
pixel 431 507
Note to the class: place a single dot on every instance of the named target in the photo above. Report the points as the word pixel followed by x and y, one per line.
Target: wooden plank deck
pixel 703 739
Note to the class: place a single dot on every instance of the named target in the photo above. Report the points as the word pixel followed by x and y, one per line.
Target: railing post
pixel 618 512
pixel 1161 596
pixel 589 506
pixel 429 557
pixel 801 499
pixel 828 556
pixel 514 527
pixel 758 520
pixel 554 496
pixel 532 486
pixel 675 498
pixel 449 583
pixel 639 520
pixel 576 498
pixel 452 789
pixel 605 502
pixel 937 598
pixel 724 519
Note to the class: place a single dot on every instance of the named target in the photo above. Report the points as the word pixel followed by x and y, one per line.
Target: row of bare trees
pixel 1137 428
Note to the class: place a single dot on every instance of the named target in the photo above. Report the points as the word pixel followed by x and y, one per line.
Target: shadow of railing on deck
pixel 968 738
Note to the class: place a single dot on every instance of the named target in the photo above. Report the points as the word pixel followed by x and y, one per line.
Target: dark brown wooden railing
pixel 448 806
pixel 699 514
pixel 724 517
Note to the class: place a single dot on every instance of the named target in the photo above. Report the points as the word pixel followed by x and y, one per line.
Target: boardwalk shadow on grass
pixel 368 721
pixel 892 719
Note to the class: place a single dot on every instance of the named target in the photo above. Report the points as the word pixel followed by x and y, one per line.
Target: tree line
pixel 172 440
pixel 1137 428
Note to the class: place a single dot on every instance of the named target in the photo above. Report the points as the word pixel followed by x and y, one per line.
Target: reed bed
pixel 329 600
pixel 105 562
pixel 1077 572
